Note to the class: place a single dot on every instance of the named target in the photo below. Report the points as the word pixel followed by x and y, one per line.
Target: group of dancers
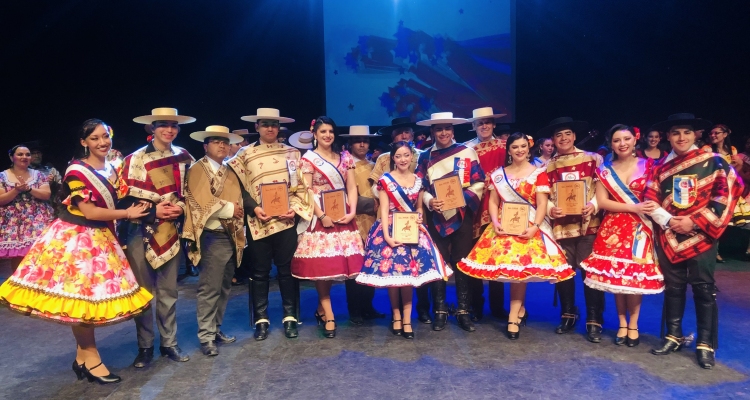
pixel 645 227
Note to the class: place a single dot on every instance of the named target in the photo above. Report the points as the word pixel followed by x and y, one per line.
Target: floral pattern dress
pixel 508 258
pixel 405 265
pixel 612 267
pixel 75 274
pixel 24 219
pixel 334 253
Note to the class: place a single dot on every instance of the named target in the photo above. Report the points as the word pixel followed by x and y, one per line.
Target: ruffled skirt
pixel 75 275
pixel 328 254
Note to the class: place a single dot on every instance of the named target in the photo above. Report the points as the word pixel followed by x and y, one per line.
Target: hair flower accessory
pixel 312 124
pixel 637 133
pixel 531 140
pixel 110 131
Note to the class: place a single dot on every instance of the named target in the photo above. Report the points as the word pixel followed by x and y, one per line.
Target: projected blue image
pixel 388 59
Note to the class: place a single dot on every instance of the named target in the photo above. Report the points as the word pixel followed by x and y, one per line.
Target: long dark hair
pixel 611 132
pixel 512 138
pixel 395 147
pixel 335 146
pixel 727 144
pixel 86 129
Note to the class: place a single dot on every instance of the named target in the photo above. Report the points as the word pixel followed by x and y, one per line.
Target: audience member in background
pixel 623 260
pixel 25 210
pixel 302 141
pixel 235 147
pixel 76 273
pixel 545 150
pixel 53 175
pixel 329 249
pixel 649 146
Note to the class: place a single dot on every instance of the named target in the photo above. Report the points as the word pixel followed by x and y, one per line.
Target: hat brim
pixel 388 130
pixel 487 116
pixel 696 123
pixel 575 126
pixel 370 135
pixel 293 141
pixel 452 121
pixel 255 118
pixel 149 119
pixel 247 133
pixel 202 135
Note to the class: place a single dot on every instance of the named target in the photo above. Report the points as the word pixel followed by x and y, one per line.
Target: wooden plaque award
pixel 334 203
pixel 274 198
pixel 450 191
pixel 405 227
pixel 514 218
pixel 571 196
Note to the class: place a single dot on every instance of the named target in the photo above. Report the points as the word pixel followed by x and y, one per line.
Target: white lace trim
pixel 605 287
pixel 512 267
pixel 610 258
pixel 611 273
pixel 337 277
pixel 400 281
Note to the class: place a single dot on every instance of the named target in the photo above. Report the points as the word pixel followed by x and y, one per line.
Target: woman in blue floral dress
pixel 388 263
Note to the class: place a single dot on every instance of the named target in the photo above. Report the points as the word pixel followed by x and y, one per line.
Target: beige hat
pixel 164 114
pixel 442 118
pixel 359 131
pixel 216 131
pixel 244 132
pixel 267 113
pixel 484 112
pixel 302 140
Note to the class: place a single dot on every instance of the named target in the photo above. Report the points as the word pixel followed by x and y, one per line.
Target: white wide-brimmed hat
pixel 216 131
pixel 164 114
pixel 244 132
pixel 484 112
pixel 267 113
pixel 302 140
pixel 442 118
pixel 359 131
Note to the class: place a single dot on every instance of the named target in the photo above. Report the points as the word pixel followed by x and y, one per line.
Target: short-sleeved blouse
pixel 319 181
pixel 528 187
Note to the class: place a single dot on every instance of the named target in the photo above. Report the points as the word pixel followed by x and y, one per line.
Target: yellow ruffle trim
pixel 70 311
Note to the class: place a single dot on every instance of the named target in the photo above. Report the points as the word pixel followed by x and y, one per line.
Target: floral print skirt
pixel 405 265
pixel 330 254
pixel 509 258
pixel 75 275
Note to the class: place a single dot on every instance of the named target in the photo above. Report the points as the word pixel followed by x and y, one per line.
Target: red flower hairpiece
pixel 312 124
pixel 149 138
pixel 637 133
pixel 531 140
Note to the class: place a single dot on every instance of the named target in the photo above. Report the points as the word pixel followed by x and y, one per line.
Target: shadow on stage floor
pixel 368 362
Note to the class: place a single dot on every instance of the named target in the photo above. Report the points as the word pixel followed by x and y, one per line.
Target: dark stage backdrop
pixel 607 62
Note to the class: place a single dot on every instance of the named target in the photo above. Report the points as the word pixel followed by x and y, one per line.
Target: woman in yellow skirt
pixel 76 273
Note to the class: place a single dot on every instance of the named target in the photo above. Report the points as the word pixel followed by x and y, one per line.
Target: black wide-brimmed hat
pixel 400 122
pixel 681 119
pixel 563 122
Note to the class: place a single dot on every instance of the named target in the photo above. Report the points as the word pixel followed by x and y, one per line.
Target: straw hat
pixel 216 131
pixel 302 140
pixel 244 132
pixel 484 112
pixel 359 131
pixel 442 118
pixel 164 114
pixel 267 113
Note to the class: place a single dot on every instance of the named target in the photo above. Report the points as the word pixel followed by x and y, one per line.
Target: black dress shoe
pixel 513 335
pixel 424 317
pixel 78 369
pixel 223 338
pixel 209 348
pixel 464 322
pixel 705 356
pixel 407 335
pixel 633 342
pixel 356 320
pixel 594 332
pixel 103 380
pixel 144 357
pixel 239 282
pixel 290 329
pixel 330 333
pixel 261 331
pixel 669 345
pixel 621 340
pixel 567 323
pixel 477 316
pixel 372 314
pixel 441 318
pixel 174 353
pixel 191 270
pixel 394 331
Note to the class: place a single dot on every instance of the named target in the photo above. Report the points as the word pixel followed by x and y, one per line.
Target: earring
pixel 634 155
pixel 85 151
pixel 315 142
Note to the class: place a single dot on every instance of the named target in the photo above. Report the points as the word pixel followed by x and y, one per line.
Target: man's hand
pixel 166 211
pixel 436 204
pixel 239 213
pixel 556 212
pixel 261 215
pixel 682 225
pixel 289 214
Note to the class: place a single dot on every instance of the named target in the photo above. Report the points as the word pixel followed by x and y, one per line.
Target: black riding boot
pixel 497 300
pixel 594 313
pixel 423 304
pixel 463 297
pixel 674 308
pixel 706 314
pixel 354 302
pixel 441 308
pixel 476 290
pixel 259 297
pixel 566 290
pixel 289 293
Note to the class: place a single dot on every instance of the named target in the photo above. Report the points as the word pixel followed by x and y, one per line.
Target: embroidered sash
pixel 508 194
pixel 622 193
pixel 105 194
pixel 400 199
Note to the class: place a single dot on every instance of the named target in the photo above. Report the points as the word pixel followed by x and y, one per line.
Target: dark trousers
pixel 576 250
pixel 242 272
pixel 697 271
pixel 217 265
pixel 359 298
pixel 278 249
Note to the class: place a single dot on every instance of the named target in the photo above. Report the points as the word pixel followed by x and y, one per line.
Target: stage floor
pixel 368 362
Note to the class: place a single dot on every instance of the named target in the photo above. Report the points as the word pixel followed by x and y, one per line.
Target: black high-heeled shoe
pixel 634 342
pixel 513 335
pixel 103 380
pixel 621 340
pixel 78 369
pixel 330 334
pixel 407 335
pixel 524 318
pixel 320 318
pixel 396 332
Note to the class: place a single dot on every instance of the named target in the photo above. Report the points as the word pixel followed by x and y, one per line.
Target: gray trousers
pixel 217 265
pixel 162 284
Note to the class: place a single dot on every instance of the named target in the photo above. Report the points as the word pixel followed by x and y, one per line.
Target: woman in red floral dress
pixel 623 260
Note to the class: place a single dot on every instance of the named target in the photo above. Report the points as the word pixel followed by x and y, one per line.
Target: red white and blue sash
pixel 399 198
pixel 644 232
pixel 508 194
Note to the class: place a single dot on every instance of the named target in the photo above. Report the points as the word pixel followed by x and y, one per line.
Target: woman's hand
pixel 345 219
pixel 646 207
pixel 529 232
pixel 588 209
pixel 138 210
pixel 498 228
pixel 556 212
pixel 392 242
pixel 420 220
pixel 327 222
